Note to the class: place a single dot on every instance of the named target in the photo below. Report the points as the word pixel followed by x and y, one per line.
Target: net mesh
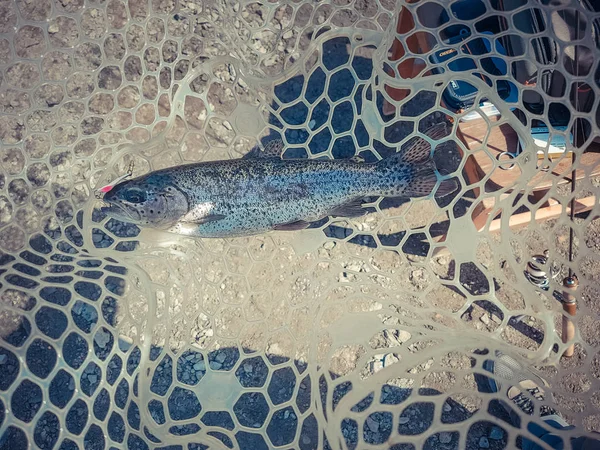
pixel 356 333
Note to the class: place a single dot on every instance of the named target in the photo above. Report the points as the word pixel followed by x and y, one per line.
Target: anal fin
pixel 292 226
pixel 353 208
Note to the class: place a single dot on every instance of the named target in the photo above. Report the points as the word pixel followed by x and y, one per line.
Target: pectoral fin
pixel 204 219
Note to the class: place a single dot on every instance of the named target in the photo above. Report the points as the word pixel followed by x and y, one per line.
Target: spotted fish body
pixel 263 192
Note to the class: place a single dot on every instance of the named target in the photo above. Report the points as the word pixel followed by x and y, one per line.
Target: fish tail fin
pixel 412 173
pixel 423 180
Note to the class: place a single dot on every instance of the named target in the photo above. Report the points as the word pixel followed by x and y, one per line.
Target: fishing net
pixel 355 333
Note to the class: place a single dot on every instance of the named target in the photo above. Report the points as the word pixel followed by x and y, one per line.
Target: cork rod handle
pixel 570 308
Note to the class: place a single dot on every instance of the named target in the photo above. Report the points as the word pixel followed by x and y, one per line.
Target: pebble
pixel 447 407
pixel 354 267
pixel 484 443
pixel 403 336
pixel 445 437
pixel 485 319
pixel 496 433
pixel 286 414
pixel 92 378
pixel 403 420
pixel 248 368
pixel 77 307
pixel 373 425
pixel 221 357
pixel 390 359
pixel 199 366
pixel 443 260
pixel 3 359
pixel 214 365
pixel 102 338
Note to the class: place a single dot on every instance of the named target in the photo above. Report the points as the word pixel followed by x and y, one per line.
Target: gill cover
pixel 147 201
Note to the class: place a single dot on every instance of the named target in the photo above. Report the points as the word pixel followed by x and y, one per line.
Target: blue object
pixel 460 95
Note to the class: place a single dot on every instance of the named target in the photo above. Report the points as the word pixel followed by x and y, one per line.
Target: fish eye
pixel 135 196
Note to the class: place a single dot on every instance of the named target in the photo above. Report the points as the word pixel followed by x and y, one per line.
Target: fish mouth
pixel 120 212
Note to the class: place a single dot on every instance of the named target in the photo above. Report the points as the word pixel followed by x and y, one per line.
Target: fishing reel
pixel 539 271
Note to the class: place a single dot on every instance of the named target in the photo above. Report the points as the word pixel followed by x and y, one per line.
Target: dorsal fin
pixel 419 151
pixel 273 149
pixel 357 159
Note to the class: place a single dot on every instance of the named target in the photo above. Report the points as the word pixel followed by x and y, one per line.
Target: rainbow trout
pixel 262 192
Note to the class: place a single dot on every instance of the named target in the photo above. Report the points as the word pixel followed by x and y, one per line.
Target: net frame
pixel 354 317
